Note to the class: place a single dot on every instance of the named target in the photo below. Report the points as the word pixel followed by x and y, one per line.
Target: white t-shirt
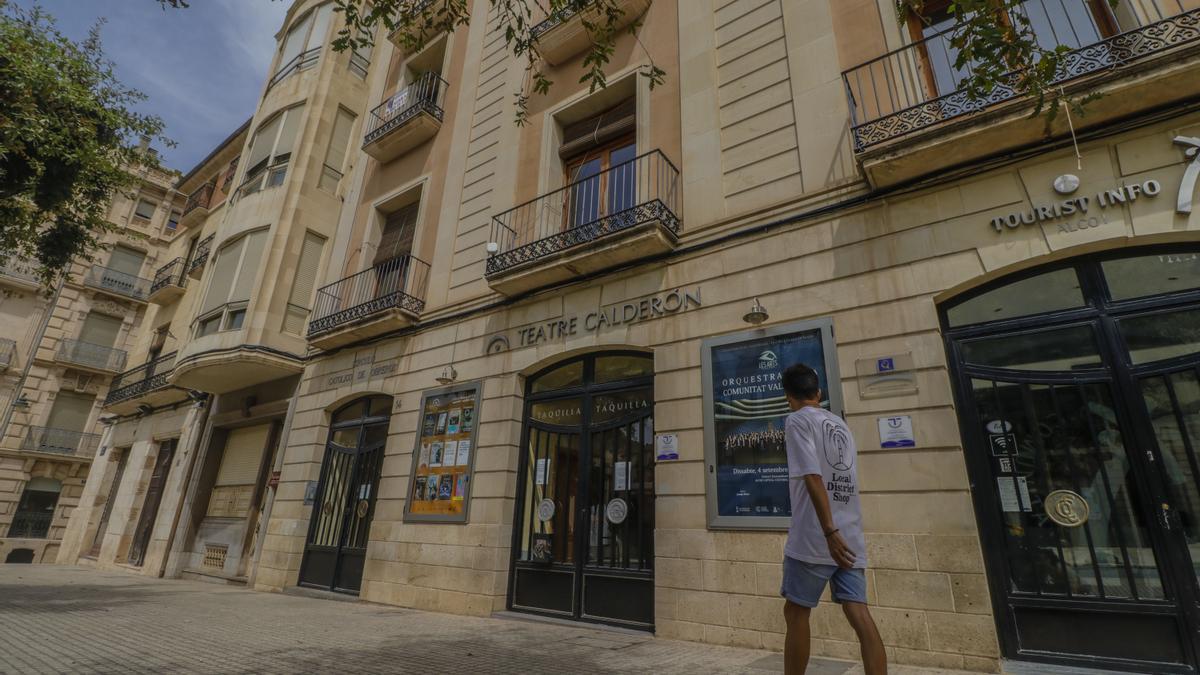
pixel 818 442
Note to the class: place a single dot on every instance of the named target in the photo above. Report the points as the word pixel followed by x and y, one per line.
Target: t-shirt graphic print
pixel 820 443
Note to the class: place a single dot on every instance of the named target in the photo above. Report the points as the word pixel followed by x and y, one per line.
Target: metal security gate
pixel 158 480
pixel 583 544
pixel 338 532
pixel 1078 390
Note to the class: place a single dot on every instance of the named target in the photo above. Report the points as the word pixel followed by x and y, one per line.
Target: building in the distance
pixel 59 351
pixel 462 365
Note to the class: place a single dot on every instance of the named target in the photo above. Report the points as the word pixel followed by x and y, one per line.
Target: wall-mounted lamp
pixel 757 314
pixel 22 402
pixel 449 374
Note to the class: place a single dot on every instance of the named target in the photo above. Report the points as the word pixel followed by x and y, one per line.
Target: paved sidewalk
pixel 70 619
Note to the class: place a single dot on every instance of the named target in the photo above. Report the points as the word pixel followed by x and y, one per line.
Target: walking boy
pixel 825 541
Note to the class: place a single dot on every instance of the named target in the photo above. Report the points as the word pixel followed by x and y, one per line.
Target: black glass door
pixel 583 545
pixel 1079 403
pixel 339 529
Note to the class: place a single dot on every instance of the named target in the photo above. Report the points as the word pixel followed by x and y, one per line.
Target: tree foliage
pixel 67 136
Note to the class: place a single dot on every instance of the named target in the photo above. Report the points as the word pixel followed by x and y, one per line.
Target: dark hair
pixel 801 382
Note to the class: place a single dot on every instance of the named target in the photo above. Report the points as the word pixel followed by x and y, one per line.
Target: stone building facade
pixel 61 348
pixel 538 365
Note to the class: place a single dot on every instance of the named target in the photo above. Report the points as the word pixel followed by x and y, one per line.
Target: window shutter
pixel 306 270
pixel 70 411
pixel 335 156
pixel 222 275
pixel 126 260
pixel 248 270
pixel 264 139
pixel 595 131
pixel 243 454
pixel 293 41
pixel 287 135
pixel 99 329
pixel 316 38
pixel 397 238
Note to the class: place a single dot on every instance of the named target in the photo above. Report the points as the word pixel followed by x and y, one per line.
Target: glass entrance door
pixel 584 538
pixel 1079 401
pixel 340 526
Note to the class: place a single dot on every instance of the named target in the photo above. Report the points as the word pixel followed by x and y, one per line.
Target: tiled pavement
pixel 76 620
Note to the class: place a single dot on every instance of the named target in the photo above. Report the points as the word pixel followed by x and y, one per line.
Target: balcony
pixel 117 283
pixel 60 442
pixel 8 354
pixel 421 31
pixel 26 525
pixel 196 208
pixel 195 268
pixel 90 357
pixel 19 272
pixel 909 115
pixel 621 215
pixel 384 298
pixel 407 119
pixel 168 283
pixel 563 35
pixel 144 385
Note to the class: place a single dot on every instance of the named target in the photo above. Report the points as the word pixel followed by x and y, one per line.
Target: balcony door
pixel 583 542
pixel 1079 401
pixel 124 267
pixel 67 420
pixel 599 176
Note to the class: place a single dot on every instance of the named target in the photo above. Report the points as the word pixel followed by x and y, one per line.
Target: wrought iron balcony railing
pixel 60 441
pixel 563 14
pixel 426 94
pixel 148 377
pixel 8 352
pixel 200 255
pixel 171 274
pixel 91 355
pixel 115 281
pixel 398 283
pixel 201 198
pixel 919 85
pixel 27 525
pixel 641 190
pixel 19 268
pixel 299 62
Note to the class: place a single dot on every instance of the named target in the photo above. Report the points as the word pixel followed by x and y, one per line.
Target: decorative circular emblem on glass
pixel 1067 508
pixel 363 507
pixel 545 510
pixel 616 511
pixel 1066 184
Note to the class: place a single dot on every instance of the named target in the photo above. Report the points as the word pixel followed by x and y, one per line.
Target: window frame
pixel 268 173
pixel 224 315
pixel 137 208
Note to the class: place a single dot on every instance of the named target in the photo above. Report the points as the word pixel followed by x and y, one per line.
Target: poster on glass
pixel 443 457
pixel 744 413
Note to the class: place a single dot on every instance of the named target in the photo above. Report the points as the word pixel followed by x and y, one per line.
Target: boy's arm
pixel 838 549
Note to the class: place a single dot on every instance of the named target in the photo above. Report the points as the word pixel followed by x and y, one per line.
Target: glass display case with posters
pixel 444 455
pixel 744 411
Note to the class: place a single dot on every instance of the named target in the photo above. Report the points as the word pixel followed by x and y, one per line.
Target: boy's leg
pixel 873 655
pixel 796 642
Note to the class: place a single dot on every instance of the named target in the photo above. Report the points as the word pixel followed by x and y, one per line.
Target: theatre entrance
pixel 1078 391
pixel 583 541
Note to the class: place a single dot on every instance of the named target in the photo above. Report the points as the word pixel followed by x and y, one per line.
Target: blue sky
pixel 202 67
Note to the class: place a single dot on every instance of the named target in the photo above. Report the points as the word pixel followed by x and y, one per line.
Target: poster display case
pixel 444 455
pixel 744 412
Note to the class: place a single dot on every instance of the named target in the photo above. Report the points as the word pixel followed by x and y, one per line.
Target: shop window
pixel 271 150
pixel 335 153
pixel 229 293
pixel 1047 292
pixel 35 511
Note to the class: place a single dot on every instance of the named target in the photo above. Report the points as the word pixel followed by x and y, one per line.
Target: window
pixel 227 178
pixel 228 295
pixel 145 209
pixel 398 230
pixel 173 221
pixel 303 284
pixel 360 56
pixel 303 42
pixel 335 154
pixel 35 511
pixel 271 149
pixel 597 154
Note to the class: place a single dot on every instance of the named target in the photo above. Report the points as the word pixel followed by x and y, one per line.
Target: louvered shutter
pixel 126 260
pixel 397 236
pixel 70 411
pixel 99 329
pixel 595 131
pixel 248 270
pixel 222 275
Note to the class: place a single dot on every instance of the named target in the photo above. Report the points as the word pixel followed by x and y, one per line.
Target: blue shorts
pixel 804 582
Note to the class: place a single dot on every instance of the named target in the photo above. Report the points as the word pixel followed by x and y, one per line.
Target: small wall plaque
pixel 887 375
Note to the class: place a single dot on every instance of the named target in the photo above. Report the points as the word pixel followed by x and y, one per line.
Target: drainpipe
pixel 33 347
pixel 199 436
pixel 265 520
